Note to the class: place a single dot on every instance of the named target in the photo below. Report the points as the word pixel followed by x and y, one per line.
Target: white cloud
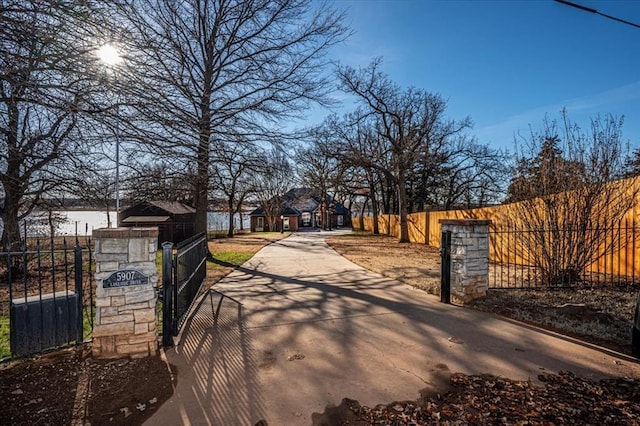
pixel 502 133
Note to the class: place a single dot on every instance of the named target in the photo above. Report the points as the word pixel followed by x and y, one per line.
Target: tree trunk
pixel 402 207
pixel 231 214
pixel 52 227
pixel 364 208
pixel 201 190
pixel 376 211
pixel 11 231
pixel 108 214
pixel 241 216
pixel 202 173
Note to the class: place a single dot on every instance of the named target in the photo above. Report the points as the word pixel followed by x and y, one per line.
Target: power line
pixel 588 9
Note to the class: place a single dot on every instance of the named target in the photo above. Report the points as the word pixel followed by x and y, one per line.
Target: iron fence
pixel 564 257
pixel 183 272
pixel 46 296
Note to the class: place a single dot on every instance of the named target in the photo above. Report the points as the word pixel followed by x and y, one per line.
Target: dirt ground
pixel 70 387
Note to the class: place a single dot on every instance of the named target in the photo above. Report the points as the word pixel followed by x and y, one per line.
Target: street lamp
pixel 282 224
pixel 110 56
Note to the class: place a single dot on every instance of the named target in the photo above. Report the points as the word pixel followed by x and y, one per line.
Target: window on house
pixel 306 219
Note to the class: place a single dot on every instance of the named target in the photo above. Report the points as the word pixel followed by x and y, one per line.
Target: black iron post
pixel 77 251
pixel 445 267
pixel 635 337
pixel 167 300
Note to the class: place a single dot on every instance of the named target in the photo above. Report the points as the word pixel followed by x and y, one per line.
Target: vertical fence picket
pixel 633 250
pixel 514 260
pixel 40 304
pixel 508 260
pixel 77 265
pixel 167 293
pixel 619 274
pixel 70 326
pixel 53 285
pixel 25 270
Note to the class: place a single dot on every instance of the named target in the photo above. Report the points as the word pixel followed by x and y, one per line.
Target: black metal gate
pixel 42 290
pixel 445 267
pixel 183 272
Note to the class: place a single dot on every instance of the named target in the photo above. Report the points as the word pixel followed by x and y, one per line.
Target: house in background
pixel 175 221
pixel 287 219
pixel 302 208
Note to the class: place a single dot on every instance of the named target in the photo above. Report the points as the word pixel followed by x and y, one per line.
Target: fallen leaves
pixel 563 399
pixel 44 390
pixel 602 315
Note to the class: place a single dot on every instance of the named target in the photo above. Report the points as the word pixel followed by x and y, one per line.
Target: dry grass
pixel 241 245
pixel 601 315
pixel 411 263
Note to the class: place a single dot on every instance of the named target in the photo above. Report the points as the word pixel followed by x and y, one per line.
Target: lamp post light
pixel 282 224
pixel 110 56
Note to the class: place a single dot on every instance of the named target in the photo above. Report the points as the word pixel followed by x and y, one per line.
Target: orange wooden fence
pixel 424 228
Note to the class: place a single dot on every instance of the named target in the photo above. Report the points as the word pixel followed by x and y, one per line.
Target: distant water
pixel 85 221
pixel 218 221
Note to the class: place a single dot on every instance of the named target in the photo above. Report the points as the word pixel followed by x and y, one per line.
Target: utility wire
pixel 588 9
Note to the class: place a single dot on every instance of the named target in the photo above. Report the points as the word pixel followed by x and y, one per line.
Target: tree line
pixel 196 78
pixel 199 102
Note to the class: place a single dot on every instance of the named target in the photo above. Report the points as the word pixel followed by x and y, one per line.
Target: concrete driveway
pixel 298 328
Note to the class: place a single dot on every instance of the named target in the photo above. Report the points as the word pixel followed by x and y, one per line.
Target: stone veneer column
pixel 125 323
pixel 469 257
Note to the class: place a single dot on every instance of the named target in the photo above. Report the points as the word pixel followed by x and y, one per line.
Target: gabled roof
pixel 340 209
pixel 287 211
pixel 157 208
pixel 290 211
pixel 173 207
pixel 145 219
pixel 302 199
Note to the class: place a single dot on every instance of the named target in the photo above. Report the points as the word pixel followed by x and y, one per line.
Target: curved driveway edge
pixel 298 328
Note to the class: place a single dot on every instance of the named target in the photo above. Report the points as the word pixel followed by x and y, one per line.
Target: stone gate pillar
pixel 469 257
pixel 126 279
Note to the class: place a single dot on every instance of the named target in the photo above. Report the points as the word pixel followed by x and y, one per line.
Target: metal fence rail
pixel 46 295
pixel 183 272
pixel 559 258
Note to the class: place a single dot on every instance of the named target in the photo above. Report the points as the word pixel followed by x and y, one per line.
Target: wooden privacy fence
pixel 612 246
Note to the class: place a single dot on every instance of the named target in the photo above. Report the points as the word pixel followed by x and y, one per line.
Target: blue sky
pixel 504 63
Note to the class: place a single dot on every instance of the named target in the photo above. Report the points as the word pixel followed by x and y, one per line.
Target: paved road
pixel 298 328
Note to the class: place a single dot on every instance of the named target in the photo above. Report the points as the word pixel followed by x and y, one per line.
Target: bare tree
pixel 216 69
pixel 470 175
pixel 357 146
pixel 569 199
pixel 271 182
pixel 318 167
pixel 45 92
pixel 408 121
pixel 97 187
pixel 160 181
pixel 230 175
